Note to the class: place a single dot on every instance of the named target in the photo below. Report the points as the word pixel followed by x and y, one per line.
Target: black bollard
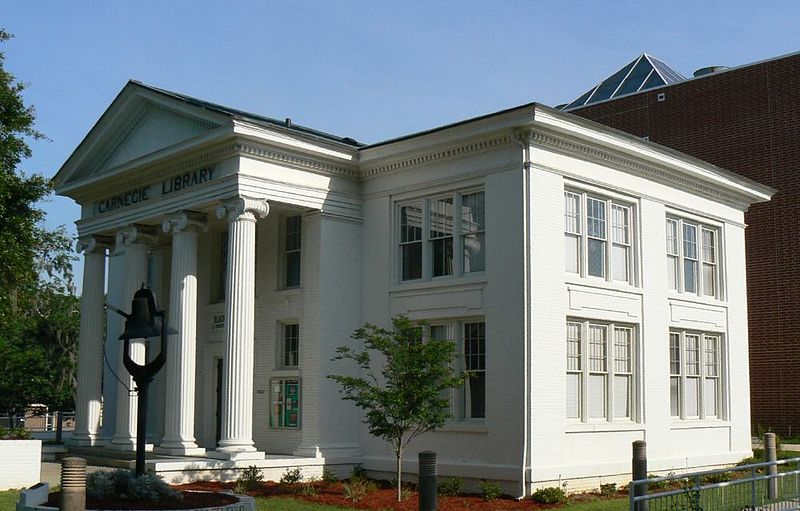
pixel 639 469
pixel 427 481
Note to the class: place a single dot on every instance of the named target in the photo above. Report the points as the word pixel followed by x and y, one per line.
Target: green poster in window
pixel 291 409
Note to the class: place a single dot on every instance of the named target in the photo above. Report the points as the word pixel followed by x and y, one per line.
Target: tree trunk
pixel 59 427
pixel 399 455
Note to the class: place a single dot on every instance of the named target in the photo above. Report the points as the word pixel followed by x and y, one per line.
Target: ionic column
pixel 134 241
pixel 236 435
pixel 90 347
pixel 181 348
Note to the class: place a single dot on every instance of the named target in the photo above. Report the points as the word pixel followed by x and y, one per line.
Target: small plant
pixel 452 487
pixel 549 495
pixel 329 475
pixel 608 489
pixel 357 488
pixel 719 477
pixel 309 487
pixel 15 434
pixel 249 479
pixel 406 491
pixel 291 476
pixel 490 490
pixel 358 472
pixel 122 484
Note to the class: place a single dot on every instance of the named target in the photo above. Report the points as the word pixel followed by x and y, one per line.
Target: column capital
pixel 243 207
pixel 93 242
pixel 184 221
pixel 137 233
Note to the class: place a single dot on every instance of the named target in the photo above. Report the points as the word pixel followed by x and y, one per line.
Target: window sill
pixel 571 279
pixel 703 300
pixel 677 424
pixel 465 426
pixel 465 280
pixel 295 290
pixel 592 427
pixel 285 372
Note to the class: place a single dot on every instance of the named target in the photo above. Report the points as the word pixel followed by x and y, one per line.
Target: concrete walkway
pixel 51 472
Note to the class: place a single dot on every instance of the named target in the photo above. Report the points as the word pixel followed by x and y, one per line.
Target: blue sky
pixel 370 70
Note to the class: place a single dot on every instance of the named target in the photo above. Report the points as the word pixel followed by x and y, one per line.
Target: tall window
pixel 292 243
pixel 222 268
pixel 600 372
pixel 291 345
pixel 468 402
pixel 692 257
pixel 597 234
pixel 695 372
pixel 442 236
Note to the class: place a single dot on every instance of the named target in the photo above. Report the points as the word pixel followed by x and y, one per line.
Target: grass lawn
pixel 8 500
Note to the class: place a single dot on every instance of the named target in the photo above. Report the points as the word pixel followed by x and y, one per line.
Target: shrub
pixel 608 489
pixel 357 488
pixel 452 487
pixel 291 476
pixel 329 475
pixel 122 484
pixel 490 490
pixel 308 488
pixel 719 477
pixel 249 479
pixel 15 434
pixel 358 472
pixel 549 495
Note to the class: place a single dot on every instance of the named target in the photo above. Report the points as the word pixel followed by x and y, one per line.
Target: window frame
pixel 455 329
pixel 282 346
pixel 611 203
pixel 458 236
pixel 285 252
pixel 678 259
pixel 608 370
pixel 702 374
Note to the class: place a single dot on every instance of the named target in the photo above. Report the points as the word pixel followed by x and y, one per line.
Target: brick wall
pixel 746 120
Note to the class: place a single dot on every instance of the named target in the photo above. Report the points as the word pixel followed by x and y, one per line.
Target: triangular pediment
pixel 140 122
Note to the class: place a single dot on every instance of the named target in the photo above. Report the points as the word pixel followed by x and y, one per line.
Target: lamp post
pixel 140 324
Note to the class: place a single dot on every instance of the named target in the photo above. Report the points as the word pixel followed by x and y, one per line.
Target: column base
pixel 236 455
pixel 180 451
pixel 84 441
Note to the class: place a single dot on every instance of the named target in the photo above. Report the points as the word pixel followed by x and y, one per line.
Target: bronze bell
pixel 141 322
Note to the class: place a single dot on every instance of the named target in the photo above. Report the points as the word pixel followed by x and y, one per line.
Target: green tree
pixel 38 310
pixel 402 393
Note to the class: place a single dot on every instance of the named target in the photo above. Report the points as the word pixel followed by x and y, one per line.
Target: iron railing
pixel 742 488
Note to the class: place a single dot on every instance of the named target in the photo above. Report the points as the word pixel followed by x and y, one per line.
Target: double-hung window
pixel 600 372
pixel 598 237
pixel 693 257
pixel 695 374
pixel 291 345
pixel 443 235
pixel 468 402
pixel 291 250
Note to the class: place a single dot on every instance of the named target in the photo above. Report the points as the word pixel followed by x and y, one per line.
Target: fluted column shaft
pixel 90 347
pixel 134 242
pixel 236 435
pixel 181 348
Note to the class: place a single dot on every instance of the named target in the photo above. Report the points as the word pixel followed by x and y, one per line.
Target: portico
pixel 176 196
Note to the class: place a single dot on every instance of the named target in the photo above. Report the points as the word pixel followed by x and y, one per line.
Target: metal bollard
pixel 771 455
pixel 639 471
pixel 73 484
pixel 426 481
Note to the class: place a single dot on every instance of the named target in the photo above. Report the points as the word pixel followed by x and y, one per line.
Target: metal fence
pixel 769 486
pixel 41 421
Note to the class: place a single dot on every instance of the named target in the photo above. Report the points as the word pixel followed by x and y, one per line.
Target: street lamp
pixel 140 324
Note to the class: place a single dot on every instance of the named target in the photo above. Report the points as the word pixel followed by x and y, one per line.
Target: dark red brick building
pixel 747 120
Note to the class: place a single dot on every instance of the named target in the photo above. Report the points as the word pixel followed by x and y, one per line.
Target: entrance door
pixel 218 414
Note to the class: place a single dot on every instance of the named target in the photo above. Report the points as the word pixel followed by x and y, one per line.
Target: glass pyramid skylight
pixel 645 72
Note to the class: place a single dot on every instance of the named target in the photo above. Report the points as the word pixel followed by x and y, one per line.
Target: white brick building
pixel 594 285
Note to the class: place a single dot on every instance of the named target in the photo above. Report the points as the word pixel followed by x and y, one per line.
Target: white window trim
pixel 427 241
pixel 721 377
pixel 280 348
pixel 610 201
pixel 282 250
pixel 585 371
pixel 458 396
pixel 718 252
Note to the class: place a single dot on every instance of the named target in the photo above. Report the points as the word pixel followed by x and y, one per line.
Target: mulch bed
pixel 191 500
pixel 382 498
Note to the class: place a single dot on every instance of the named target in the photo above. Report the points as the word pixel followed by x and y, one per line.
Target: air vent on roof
pixel 709 70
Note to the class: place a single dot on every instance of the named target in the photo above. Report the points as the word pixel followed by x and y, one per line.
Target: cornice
pixel 449 153
pixel 267 154
pixel 596 155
